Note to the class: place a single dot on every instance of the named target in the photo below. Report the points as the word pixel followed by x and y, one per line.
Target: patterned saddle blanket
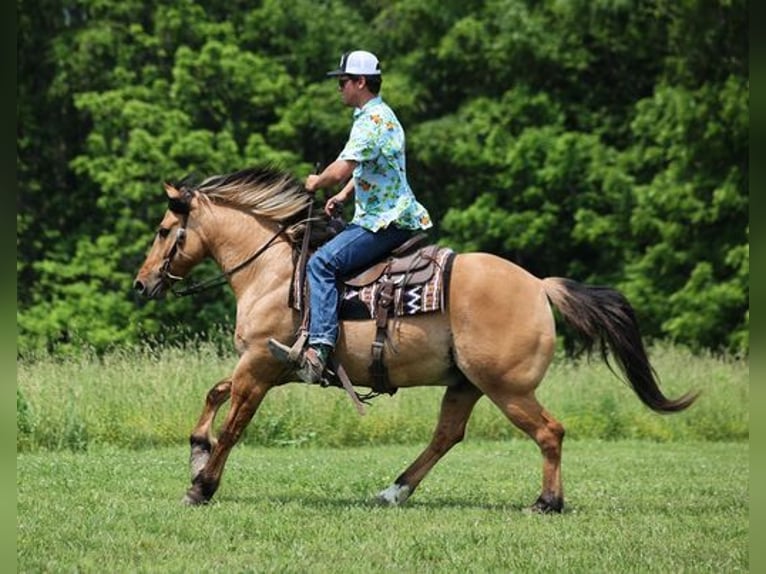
pixel 417 282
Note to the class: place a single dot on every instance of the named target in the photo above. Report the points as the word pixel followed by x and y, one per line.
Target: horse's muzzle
pixel 150 290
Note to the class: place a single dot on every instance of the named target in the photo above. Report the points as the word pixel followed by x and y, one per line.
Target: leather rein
pixel 182 207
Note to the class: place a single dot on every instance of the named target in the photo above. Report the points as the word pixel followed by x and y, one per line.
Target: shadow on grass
pixel 329 502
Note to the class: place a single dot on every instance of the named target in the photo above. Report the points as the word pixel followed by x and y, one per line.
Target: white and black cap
pixel 357 63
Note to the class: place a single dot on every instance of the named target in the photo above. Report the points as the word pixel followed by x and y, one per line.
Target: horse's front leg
pixel 247 392
pixel 202 440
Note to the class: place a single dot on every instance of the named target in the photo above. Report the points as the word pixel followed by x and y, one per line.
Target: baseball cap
pixel 357 63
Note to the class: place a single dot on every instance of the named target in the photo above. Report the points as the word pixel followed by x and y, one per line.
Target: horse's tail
pixel 603 315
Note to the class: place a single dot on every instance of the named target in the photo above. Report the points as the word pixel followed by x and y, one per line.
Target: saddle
pixel 407 283
pixel 413 279
pixel 416 264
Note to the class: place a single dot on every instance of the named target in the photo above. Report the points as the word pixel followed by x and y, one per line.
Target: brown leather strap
pixel 347 386
pixel 377 369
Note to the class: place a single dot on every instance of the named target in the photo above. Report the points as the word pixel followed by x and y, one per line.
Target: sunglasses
pixel 343 81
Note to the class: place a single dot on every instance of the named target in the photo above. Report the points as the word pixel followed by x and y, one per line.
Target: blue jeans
pixel 351 250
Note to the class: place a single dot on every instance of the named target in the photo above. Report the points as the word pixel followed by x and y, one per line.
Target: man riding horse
pixel 373 167
pixel 495 335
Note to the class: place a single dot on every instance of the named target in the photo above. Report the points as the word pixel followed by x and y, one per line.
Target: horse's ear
pixel 172 191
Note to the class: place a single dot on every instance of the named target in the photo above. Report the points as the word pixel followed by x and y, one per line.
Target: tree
pixel 605 140
pixel 690 220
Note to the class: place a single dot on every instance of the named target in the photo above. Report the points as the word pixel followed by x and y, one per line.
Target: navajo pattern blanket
pixel 359 303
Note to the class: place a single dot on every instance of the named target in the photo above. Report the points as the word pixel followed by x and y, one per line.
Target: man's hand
pixel 312 182
pixel 332 205
pixel 337 200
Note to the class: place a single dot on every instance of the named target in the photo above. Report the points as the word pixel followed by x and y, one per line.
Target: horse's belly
pixel 416 353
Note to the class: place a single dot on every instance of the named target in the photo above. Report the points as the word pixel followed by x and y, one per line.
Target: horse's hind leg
pixel 202 440
pixel 457 404
pixel 526 413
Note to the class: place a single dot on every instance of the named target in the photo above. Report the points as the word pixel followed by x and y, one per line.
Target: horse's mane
pixel 261 190
pixel 264 191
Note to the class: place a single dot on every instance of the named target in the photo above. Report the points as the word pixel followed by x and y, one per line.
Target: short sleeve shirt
pixel 382 194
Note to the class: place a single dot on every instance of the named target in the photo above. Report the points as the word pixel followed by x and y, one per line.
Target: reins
pixel 222 277
pixel 181 207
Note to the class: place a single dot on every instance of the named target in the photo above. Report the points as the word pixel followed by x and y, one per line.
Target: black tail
pixel 603 316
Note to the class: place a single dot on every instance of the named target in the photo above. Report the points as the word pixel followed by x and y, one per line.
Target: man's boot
pixel 311 362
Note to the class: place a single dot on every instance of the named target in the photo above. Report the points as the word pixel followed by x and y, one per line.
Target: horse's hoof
pixel 547 505
pixel 192 499
pixel 198 495
pixel 394 495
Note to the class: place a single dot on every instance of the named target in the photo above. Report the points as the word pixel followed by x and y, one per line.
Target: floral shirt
pixel 381 193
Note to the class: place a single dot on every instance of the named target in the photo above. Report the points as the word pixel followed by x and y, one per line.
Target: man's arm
pixel 336 173
pixel 339 198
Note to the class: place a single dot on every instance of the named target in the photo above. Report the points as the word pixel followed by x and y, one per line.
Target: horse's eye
pixel 163 232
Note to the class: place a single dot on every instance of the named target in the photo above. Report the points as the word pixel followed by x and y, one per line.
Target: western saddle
pixel 408 266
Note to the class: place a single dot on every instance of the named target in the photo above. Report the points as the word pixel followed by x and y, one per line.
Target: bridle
pixel 182 207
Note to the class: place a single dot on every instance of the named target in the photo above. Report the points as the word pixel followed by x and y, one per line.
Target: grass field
pixel 147 398
pixel 632 506
pixel 102 466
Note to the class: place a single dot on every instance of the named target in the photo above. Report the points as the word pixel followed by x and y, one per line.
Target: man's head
pixel 358 73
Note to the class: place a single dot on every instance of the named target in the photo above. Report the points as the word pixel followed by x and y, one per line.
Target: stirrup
pixel 286 354
pixel 310 370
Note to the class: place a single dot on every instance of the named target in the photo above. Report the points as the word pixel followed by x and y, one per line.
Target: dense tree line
pixel 603 140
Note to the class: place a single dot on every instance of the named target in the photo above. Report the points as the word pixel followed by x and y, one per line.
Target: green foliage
pixel 684 214
pixel 603 140
pixel 25 422
pixel 558 217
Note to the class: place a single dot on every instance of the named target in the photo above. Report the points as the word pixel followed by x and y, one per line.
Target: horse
pixel 496 337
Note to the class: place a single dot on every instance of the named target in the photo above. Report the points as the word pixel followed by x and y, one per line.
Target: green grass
pixel 102 466
pixel 145 398
pixel 632 506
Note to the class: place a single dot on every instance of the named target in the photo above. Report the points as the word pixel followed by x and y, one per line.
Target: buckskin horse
pixel 495 338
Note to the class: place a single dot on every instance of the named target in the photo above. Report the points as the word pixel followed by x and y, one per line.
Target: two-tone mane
pixel 262 191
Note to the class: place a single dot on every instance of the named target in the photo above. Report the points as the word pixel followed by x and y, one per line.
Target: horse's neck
pixel 232 237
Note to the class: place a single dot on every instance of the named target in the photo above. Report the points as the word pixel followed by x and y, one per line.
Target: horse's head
pixel 176 247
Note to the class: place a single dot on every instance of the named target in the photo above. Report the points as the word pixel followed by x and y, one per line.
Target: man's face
pixel 350 88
